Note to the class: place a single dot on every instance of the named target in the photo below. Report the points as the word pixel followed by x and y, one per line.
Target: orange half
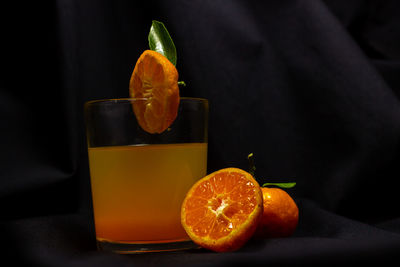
pixel 222 210
pixel 154 78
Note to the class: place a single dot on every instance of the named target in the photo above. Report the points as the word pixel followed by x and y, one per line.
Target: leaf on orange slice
pixel 154 78
pixel 161 42
pixel 221 211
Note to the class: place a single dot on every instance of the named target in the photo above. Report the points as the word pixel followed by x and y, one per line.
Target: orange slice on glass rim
pixel 222 210
pixel 155 79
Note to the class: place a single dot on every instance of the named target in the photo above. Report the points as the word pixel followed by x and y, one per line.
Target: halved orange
pixel 154 78
pixel 221 211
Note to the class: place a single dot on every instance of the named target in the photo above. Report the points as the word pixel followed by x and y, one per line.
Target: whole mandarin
pixel 280 214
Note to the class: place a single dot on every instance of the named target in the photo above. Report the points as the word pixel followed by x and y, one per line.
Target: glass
pixel 139 180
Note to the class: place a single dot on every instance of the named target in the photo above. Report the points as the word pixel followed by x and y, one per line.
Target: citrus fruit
pixel 154 78
pixel 280 214
pixel 221 211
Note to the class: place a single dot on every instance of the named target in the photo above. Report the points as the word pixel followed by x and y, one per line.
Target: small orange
pixel 154 78
pixel 280 214
pixel 221 211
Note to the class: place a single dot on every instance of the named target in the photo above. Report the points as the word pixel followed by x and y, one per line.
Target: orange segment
pixel 156 79
pixel 221 211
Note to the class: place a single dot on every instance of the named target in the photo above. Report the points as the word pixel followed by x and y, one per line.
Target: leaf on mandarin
pixel 281 185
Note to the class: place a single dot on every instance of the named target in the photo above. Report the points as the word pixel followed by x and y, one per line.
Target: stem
pixel 252 166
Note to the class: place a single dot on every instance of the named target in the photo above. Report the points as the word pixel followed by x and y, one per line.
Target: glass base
pixel 144 247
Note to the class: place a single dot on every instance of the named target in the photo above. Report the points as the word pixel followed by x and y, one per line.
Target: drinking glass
pixel 138 179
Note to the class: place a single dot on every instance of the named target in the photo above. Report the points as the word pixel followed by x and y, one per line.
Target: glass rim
pixel 130 99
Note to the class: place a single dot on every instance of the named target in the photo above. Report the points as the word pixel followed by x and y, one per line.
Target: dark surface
pixel 310 87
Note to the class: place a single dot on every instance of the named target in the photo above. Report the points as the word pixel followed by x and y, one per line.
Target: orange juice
pixel 138 190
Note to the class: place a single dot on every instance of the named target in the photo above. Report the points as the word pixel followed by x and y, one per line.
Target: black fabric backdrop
pixel 310 87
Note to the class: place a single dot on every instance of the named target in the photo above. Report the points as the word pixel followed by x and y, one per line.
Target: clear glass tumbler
pixel 139 180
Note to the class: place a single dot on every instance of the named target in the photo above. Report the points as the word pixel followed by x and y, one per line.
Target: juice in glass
pixel 138 190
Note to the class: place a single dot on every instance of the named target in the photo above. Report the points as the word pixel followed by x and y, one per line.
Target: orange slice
pixel 221 211
pixel 154 78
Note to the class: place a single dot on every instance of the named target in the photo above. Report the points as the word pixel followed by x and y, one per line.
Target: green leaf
pixel 281 185
pixel 161 42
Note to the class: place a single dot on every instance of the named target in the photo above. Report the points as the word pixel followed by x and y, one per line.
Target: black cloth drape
pixel 310 87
